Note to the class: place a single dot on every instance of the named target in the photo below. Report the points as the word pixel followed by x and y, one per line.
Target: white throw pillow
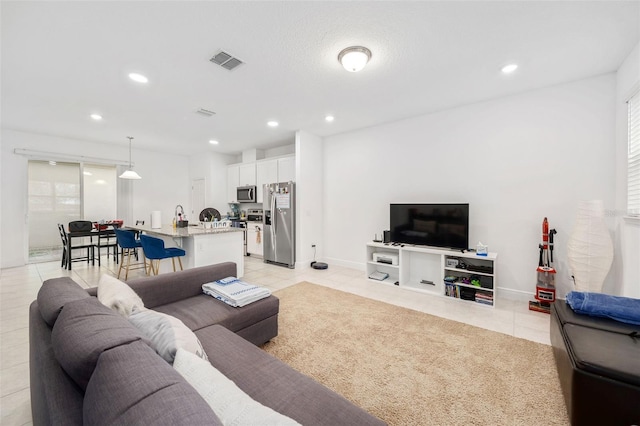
pixel 167 334
pixel 226 399
pixel 118 296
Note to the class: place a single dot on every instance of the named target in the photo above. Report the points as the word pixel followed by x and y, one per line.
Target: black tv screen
pixel 436 225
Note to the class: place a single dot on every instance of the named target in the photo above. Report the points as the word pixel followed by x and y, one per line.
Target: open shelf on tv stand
pixel 424 268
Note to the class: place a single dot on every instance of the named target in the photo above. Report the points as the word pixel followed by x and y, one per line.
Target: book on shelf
pixel 484 295
pixel 380 276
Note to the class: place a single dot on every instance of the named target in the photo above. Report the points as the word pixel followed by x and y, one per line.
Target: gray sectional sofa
pixel 90 365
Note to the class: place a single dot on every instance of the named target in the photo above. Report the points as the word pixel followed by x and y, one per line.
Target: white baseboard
pixel 517 295
pixel 345 263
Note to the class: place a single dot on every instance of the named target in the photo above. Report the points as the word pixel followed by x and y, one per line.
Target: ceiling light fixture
pixel 508 69
pixel 130 174
pixel 138 78
pixel 329 118
pixel 96 117
pixel 52 163
pixel 214 142
pixel 354 58
pixel 272 123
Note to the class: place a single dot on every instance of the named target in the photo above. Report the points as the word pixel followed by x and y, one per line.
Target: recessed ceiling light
pixel 214 142
pixel 87 173
pixel 138 78
pixel 272 123
pixel 329 118
pixel 508 69
pixel 96 117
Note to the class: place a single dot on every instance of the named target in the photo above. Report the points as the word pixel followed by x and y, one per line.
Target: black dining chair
pixel 106 238
pixel 63 238
pixel 67 255
pixel 138 222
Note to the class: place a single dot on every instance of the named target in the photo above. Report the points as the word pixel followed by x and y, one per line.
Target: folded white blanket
pixel 235 292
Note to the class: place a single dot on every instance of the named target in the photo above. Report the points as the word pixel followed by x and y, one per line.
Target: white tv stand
pixel 423 269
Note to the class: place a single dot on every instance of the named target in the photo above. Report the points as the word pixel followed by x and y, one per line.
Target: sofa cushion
pixel 276 385
pixel 202 311
pixel 132 385
pixel 84 329
pixel 53 295
pixel 167 334
pixel 118 296
pixel 228 401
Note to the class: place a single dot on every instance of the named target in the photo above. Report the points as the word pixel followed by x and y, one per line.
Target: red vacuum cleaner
pixel 546 274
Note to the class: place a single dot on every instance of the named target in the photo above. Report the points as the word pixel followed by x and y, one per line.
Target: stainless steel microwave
pixel 246 194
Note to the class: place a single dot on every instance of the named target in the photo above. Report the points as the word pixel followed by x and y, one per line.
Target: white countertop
pixel 190 231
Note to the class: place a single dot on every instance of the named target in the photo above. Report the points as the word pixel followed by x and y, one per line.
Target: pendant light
pixel 130 174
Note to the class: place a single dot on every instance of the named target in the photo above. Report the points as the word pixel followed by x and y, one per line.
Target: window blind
pixel 633 165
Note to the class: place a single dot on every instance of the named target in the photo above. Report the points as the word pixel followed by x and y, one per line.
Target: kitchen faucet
pixel 181 213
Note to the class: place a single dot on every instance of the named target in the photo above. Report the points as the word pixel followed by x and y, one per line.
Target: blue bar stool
pixel 128 243
pixel 153 248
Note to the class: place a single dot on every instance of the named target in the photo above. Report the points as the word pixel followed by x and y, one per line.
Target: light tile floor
pixel 19 287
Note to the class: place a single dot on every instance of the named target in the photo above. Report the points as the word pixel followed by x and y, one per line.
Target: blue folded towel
pixel 623 309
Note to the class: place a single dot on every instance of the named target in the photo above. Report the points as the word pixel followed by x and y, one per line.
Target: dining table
pixel 102 230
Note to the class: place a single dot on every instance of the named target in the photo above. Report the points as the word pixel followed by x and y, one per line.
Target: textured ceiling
pixel 62 61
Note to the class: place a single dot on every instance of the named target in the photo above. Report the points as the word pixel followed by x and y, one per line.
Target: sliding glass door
pixel 60 192
pixel 54 197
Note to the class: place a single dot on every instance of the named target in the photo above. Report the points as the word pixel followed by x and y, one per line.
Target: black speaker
pixel 386 236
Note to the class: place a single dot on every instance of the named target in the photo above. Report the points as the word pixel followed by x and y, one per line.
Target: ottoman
pixel 598 363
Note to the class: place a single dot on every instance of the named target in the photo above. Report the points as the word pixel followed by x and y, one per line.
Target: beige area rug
pixel 410 368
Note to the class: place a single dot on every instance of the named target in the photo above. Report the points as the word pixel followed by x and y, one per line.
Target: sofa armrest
pixel 173 286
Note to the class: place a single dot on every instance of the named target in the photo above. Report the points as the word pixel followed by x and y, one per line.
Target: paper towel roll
pixel 156 222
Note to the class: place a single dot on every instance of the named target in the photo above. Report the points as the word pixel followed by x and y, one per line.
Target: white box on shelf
pixel 386 258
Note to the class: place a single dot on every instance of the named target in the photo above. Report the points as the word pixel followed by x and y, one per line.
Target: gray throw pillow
pixel 167 334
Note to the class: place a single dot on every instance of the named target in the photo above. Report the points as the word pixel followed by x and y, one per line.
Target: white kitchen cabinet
pixel 266 172
pixel 247 175
pixel 287 169
pixel 233 182
pixel 282 169
pixel 239 175
pixel 254 238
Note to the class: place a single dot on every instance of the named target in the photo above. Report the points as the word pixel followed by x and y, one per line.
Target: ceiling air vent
pixel 225 60
pixel 205 112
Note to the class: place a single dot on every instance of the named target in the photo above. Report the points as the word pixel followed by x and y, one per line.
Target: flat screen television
pixel 436 225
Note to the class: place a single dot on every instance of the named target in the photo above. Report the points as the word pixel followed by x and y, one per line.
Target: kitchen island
pixel 203 246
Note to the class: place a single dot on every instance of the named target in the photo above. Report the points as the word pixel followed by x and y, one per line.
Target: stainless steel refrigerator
pixel 279 219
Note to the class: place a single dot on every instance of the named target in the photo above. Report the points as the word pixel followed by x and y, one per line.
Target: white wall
pixel 515 160
pixel 165 183
pixel 309 198
pixel 627 240
pixel 213 168
pixel 280 150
